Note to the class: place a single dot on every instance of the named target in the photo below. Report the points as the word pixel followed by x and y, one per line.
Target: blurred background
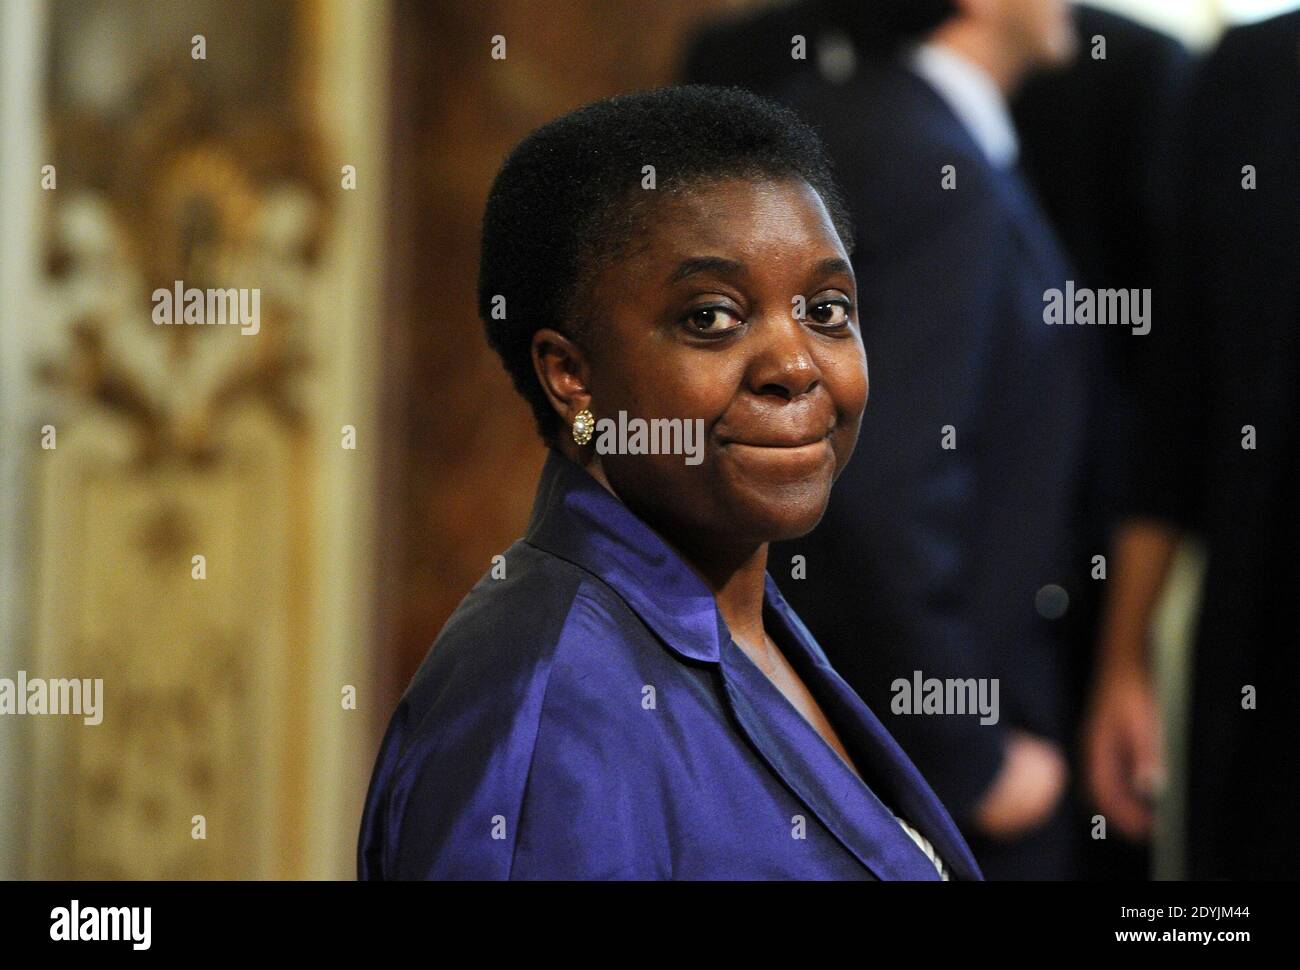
pixel 348 472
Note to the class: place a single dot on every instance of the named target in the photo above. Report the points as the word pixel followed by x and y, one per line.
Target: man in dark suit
pixel 950 548
pixel 1219 457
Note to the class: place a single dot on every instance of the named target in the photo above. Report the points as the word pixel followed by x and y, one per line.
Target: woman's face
pixel 699 321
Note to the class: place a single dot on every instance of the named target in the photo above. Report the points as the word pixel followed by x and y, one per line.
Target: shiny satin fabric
pixel 588 716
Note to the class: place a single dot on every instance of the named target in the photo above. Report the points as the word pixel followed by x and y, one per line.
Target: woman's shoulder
pixel 496 655
pixel 516 613
pixel 461 744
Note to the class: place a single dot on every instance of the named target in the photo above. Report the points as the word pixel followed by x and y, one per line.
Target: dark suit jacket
pixel 1096 144
pixel 1227 355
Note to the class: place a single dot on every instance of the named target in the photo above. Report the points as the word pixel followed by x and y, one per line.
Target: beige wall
pixel 222 695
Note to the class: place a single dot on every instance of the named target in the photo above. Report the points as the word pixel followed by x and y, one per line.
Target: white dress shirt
pixel 973 97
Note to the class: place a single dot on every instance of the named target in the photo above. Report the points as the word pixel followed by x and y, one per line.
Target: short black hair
pixel 566 200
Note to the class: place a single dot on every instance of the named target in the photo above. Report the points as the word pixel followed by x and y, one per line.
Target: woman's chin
pixel 788 512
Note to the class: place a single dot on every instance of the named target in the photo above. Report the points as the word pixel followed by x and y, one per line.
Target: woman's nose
pixel 783 363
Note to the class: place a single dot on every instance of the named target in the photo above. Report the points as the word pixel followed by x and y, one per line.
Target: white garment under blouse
pixel 924 844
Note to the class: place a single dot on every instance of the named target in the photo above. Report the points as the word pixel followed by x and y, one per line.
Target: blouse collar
pixel 576 518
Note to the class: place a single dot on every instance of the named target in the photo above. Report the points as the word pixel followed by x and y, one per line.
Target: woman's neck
pixel 738 582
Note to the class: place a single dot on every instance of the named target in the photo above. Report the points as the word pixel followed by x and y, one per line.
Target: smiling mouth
pixel 804 444
pixel 792 450
pixel 797 458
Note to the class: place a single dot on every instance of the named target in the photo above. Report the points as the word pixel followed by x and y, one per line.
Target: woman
pixel 632 698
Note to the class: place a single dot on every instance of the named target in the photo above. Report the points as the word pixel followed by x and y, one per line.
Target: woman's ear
pixel 564 371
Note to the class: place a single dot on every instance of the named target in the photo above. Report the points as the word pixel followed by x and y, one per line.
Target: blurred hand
pixel 1025 791
pixel 1123 749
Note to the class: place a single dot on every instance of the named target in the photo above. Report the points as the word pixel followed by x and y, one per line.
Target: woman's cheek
pixel 847 382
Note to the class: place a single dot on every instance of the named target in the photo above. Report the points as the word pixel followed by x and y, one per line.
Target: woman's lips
pixel 781 441
pixel 798 458
pixel 806 443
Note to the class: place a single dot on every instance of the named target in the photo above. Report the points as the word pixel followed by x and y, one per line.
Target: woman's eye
pixel 710 320
pixel 830 313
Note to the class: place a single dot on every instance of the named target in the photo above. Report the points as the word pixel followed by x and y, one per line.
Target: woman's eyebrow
pixel 832 265
pixel 719 265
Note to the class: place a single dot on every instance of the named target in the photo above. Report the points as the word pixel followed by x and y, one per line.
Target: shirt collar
pixel 579 520
pixel 972 96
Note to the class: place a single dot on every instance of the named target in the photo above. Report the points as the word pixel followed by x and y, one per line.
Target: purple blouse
pixel 588 716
